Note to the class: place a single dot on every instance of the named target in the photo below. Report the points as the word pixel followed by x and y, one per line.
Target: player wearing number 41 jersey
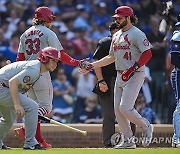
pixel 130 50
pixel 32 41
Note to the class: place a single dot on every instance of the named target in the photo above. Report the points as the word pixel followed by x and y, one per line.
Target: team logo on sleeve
pixel 26 79
pixel 146 42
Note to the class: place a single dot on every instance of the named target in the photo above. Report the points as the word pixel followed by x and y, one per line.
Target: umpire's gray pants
pixel 125 94
pixel 9 116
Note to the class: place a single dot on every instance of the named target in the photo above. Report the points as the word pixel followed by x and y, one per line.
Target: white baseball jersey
pixel 37 38
pixel 128 46
pixel 26 72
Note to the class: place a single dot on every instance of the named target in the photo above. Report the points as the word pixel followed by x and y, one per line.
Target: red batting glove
pixel 127 74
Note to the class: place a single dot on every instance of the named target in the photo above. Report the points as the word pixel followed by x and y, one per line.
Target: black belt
pixel 3 84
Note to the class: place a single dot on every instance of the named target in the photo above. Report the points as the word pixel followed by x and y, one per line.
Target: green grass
pixel 93 151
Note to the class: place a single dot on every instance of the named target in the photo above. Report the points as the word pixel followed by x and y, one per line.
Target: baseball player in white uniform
pixel 130 50
pixel 32 41
pixel 15 80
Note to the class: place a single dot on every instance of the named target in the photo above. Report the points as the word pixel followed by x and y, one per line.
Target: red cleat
pixel 20 133
pixel 45 145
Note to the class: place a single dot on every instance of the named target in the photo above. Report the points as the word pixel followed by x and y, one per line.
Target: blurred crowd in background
pixel 80 24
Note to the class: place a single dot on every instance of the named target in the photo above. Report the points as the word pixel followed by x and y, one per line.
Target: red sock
pixel 38 132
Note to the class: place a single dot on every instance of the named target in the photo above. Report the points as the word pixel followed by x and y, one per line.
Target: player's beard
pixel 122 25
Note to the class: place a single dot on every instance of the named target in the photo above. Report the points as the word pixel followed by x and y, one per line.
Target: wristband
pixel 101 81
pixel 135 66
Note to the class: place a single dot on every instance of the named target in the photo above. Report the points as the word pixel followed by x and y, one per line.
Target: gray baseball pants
pixel 9 116
pixel 125 94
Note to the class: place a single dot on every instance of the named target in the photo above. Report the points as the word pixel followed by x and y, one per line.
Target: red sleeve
pixel 65 58
pixel 20 57
pixel 145 57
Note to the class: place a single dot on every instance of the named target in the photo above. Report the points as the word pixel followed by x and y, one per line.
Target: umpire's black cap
pixel 113 26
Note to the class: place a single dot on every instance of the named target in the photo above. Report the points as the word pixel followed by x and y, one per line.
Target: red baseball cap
pixel 123 11
pixel 44 13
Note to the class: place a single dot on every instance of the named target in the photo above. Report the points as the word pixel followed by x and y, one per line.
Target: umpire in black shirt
pixel 105 86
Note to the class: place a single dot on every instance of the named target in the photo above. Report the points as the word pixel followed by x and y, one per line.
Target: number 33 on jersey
pixel 35 39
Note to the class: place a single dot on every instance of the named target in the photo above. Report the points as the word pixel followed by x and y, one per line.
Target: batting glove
pixel 84 64
pixel 126 75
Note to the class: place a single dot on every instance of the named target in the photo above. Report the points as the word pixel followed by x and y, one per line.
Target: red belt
pixel 3 84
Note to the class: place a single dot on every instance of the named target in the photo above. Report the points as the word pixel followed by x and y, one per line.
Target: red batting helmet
pixel 49 52
pixel 123 11
pixel 44 13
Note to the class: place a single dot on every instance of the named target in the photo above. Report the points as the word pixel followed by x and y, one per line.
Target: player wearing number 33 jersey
pixel 35 39
pixel 32 41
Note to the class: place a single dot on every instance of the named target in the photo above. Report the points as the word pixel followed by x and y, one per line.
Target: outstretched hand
pixel 84 64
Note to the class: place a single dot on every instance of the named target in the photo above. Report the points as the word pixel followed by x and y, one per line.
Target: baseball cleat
pixel 20 133
pixel 35 147
pixel 147 136
pixel 44 144
pixel 175 145
pixel 4 147
pixel 175 141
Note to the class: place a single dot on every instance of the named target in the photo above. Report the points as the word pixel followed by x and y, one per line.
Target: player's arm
pixel 144 58
pixel 84 64
pixel 53 41
pixel 67 59
pixel 109 59
pixel 13 86
pixel 20 55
